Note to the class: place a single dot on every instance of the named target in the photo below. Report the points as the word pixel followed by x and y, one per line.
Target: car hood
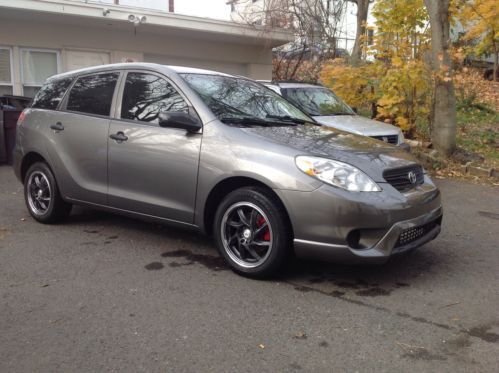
pixel 369 155
pixel 358 124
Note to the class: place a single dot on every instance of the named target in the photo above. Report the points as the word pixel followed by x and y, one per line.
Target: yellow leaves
pixel 480 18
pixel 397 61
pixel 403 123
pixel 389 101
pixel 400 88
pixel 351 83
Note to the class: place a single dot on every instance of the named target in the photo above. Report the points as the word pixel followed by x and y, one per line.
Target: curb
pixel 465 169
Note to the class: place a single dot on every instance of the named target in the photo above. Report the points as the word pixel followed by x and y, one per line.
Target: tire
pixel 259 244
pixel 42 195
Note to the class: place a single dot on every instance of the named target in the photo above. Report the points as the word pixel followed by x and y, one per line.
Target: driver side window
pixel 146 96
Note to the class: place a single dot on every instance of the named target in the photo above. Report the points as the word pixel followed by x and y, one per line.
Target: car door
pixel 79 134
pixel 152 170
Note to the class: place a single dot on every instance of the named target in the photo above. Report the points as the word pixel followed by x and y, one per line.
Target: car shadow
pixel 196 248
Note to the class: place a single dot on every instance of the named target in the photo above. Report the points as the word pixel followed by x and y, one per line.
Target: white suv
pixel 329 110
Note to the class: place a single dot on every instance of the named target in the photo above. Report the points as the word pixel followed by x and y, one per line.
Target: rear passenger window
pixel 93 94
pixel 49 96
pixel 146 96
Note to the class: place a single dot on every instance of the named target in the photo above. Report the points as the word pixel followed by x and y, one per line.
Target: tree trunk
pixel 443 130
pixel 362 11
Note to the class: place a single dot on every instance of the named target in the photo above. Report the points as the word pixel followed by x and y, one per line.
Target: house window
pixel 36 66
pixel 5 71
pixel 370 36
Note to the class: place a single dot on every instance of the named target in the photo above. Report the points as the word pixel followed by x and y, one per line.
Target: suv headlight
pixel 401 138
pixel 337 173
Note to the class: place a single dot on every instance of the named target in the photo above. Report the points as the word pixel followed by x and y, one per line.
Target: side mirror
pixel 178 119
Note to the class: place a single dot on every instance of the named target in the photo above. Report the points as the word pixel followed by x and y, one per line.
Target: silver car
pixel 328 109
pixel 223 155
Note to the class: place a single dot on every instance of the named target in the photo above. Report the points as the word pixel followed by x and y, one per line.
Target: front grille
pixel 390 139
pixel 412 234
pixel 400 178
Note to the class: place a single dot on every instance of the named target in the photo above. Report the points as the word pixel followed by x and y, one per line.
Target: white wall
pixel 120 44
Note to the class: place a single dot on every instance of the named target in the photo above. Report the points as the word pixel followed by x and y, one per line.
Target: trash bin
pixel 3 151
pixel 10 117
pixel 10 109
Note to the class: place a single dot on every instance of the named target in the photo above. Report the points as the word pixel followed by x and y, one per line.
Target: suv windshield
pixel 236 100
pixel 317 101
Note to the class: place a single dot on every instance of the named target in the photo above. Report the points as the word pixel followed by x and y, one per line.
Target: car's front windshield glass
pixel 317 101
pixel 232 97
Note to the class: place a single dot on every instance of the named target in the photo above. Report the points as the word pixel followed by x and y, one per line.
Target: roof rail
pixel 296 81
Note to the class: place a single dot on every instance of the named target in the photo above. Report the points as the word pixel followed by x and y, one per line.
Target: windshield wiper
pixel 286 118
pixel 251 121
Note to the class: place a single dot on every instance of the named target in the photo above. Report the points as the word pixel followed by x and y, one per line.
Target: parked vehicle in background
pixel 223 155
pixel 328 109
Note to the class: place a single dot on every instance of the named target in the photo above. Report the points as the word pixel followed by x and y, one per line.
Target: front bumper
pixel 326 221
pixel 387 246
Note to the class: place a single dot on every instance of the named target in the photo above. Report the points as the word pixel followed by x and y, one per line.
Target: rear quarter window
pixel 51 94
pixel 93 94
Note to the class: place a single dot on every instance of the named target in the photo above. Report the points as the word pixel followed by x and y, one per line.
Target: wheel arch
pixel 28 160
pixel 224 187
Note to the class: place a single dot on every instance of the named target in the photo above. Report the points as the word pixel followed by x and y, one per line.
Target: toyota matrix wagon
pixel 223 155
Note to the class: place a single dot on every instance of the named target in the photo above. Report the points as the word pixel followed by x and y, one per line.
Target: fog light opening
pixel 353 239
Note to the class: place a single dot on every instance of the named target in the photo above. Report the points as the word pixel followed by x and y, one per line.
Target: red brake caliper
pixel 266 234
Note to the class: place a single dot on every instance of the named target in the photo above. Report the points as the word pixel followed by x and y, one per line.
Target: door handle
pixel 119 137
pixel 57 127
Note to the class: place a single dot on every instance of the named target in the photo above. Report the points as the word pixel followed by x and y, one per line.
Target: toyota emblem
pixel 412 177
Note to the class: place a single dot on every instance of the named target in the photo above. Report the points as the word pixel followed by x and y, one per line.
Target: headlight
pixel 337 173
pixel 401 137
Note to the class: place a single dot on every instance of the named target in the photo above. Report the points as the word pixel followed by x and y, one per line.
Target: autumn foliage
pixel 395 82
pixel 481 20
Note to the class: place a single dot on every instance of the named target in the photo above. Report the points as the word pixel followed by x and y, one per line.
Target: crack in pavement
pixel 480 332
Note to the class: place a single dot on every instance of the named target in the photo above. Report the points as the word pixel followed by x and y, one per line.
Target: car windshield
pixel 317 101
pixel 234 99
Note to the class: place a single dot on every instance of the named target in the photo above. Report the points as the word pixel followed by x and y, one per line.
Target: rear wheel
pixel 42 195
pixel 252 232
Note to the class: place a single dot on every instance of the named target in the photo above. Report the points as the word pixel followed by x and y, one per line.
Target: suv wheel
pixel 42 195
pixel 252 232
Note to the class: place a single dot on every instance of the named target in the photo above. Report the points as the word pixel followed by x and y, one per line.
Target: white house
pixel 39 38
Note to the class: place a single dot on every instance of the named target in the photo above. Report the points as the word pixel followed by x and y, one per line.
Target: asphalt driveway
pixel 107 293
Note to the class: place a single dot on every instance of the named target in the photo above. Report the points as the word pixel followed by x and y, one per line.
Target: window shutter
pixel 5 73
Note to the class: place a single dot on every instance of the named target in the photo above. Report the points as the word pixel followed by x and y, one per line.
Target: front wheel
pixel 252 232
pixel 42 195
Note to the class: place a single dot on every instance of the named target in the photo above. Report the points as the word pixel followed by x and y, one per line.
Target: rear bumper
pixel 17 162
pixel 380 252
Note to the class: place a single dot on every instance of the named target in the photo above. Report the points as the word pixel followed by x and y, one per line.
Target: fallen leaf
pixel 300 335
pixel 450 304
pixel 262 346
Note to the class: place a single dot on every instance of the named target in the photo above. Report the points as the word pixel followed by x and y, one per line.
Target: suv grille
pixel 390 139
pixel 412 234
pixel 404 178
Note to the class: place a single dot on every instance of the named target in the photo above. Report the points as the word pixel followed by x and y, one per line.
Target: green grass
pixel 478 130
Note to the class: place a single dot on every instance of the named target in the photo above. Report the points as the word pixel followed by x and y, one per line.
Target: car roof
pixel 137 65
